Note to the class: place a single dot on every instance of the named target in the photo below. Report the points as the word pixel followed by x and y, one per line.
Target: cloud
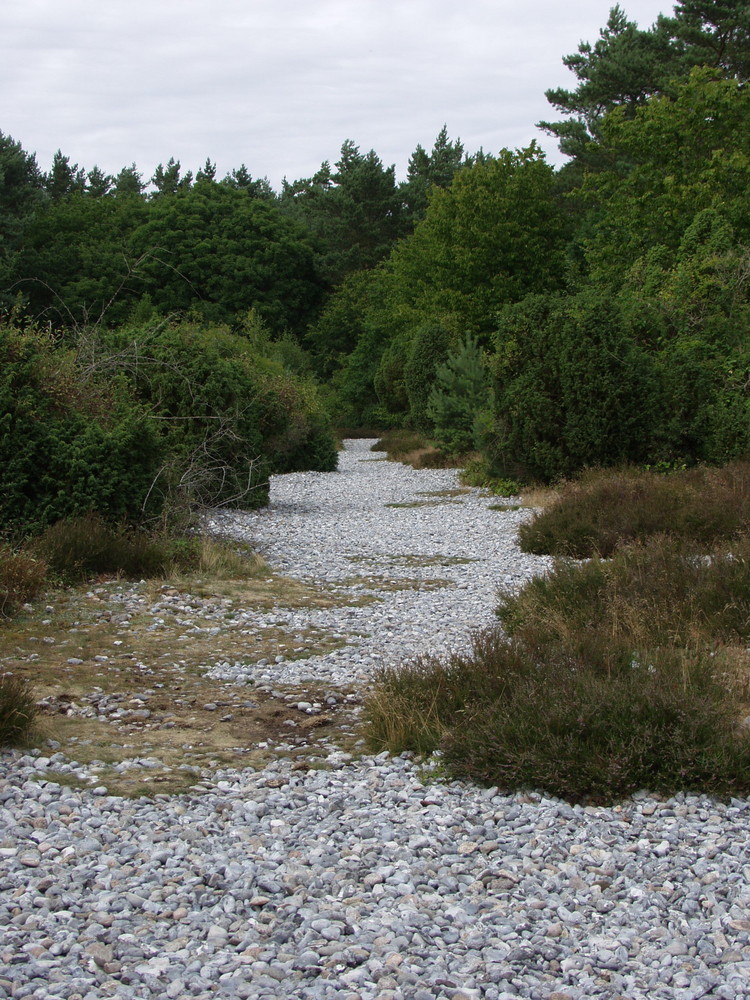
pixel 279 84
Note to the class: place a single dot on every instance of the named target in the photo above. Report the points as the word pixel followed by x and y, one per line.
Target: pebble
pixel 368 879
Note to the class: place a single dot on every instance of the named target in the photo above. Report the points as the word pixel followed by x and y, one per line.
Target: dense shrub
pixel 68 447
pixel 572 389
pixel 429 350
pixel 599 511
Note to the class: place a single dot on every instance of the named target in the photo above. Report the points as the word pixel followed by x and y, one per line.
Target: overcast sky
pixel 280 84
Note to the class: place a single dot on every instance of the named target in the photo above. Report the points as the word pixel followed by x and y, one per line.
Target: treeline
pixel 593 315
pixel 547 319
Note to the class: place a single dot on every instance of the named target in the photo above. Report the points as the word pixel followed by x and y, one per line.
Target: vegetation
pixel 18 711
pixel 166 344
pixel 22 577
pixel 610 675
pixel 598 512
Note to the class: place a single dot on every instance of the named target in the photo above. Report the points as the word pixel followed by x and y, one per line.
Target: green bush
pixel 459 393
pixel 68 446
pixel 572 389
pixel 601 510
pixel 429 350
pixel 18 711
pixel 22 577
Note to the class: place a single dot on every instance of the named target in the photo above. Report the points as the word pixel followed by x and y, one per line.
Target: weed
pixel 477 473
pixel 412 448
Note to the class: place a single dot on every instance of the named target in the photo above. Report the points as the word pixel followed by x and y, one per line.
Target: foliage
pixel 583 731
pixel 571 388
pixel 496 234
pixel 68 447
pixel 21 578
pixel 459 393
pixel 18 710
pixel 657 592
pixel 354 213
pixel 678 156
pixel 216 250
pixel 429 349
pixel 600 511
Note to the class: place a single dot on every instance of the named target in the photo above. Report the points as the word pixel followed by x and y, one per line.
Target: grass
pixel 22 578
pixel 78 548
pixel 18 710
pixel 412 448
pixel 608 676
pixel 603 510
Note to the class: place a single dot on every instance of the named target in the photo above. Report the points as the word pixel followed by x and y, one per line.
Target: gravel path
pixel 366 881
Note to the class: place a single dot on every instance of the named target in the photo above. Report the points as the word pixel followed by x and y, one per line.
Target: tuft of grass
pixel 76 548
pixel 603 510
pixel 595 730
pixel 18 710
pixel 22 577
pixel 79 548
pixel 581 727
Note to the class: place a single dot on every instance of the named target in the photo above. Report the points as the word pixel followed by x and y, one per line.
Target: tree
pixel 460 392
pixel 129 182
pixel 713 33
pixel 63 178
pixel 627 66
pixel 76 263
pixel 258 188
pixel 354 213
pixel 677 156
pixel 169 180
pixel 497 233
pixel 217 250
pixel 207 172
pixel 21 191
pixel 426 170
pixel 98 184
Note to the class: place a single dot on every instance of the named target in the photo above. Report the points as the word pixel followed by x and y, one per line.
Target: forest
pixel 169 342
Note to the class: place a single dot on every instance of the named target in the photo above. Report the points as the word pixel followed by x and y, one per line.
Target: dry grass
pixel 123 658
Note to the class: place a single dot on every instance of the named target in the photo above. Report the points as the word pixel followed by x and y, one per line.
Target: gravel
pixel 370 879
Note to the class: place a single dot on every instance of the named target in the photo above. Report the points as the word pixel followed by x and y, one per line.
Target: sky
pixel 280 84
